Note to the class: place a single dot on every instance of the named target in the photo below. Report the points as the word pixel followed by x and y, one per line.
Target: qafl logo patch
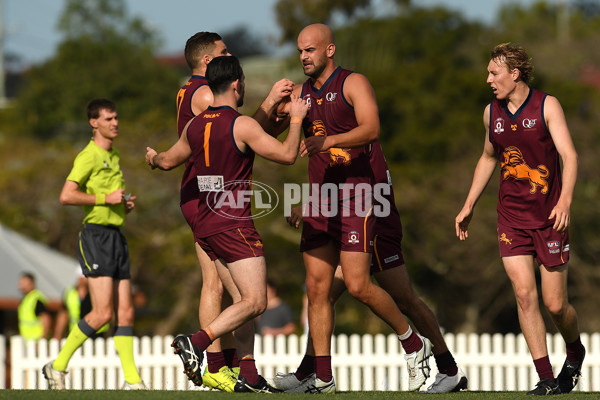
pixel 353 237
pixel 499 125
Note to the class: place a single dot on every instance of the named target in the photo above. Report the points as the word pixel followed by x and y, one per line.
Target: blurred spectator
pixel 35 320
pixel 278 318
pixel 76 303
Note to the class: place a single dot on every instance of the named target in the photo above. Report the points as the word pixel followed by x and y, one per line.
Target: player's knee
pixel 212 283
pixel 526 299
pixel 556 308
pixel 258 306
pixel 359 291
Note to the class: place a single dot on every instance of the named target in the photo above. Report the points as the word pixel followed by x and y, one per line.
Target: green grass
pixel 205 395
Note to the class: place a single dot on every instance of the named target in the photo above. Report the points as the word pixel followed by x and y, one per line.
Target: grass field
pixel 206 395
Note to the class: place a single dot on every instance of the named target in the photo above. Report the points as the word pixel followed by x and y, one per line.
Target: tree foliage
pixel 427 66
pixel 242 43
pixel 104 55
pixel 293 15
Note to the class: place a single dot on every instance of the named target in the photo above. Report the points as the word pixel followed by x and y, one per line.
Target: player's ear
pixel 516 74
pixel 93 122
pixel 330 50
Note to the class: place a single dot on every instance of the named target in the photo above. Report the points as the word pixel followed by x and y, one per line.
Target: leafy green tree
pixel 105 54
pixel 293 15
pixel 243 43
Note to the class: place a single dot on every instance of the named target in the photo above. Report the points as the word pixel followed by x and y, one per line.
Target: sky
pixel 29 26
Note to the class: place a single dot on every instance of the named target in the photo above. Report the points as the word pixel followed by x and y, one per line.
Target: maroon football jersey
pixel 329 113
pixel 390 225
pixel 530 175
pixel 222 172
pixel 189 188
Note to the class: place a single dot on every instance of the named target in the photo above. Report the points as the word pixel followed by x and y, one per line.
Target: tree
pixel 105 20
pixel 242 43
pixel 293 15
pixel 105 54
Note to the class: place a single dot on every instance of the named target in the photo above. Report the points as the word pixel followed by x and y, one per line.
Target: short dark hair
pixel 29 276
pixel 95 105
pixel 198 45
pixel 222 71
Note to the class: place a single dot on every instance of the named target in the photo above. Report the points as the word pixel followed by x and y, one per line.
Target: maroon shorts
pixel 233 245
pixel 189 209
pixel 348 233
pixel 387 253
pixel 549 247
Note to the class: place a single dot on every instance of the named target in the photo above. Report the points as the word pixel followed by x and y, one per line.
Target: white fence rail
pixel 491 362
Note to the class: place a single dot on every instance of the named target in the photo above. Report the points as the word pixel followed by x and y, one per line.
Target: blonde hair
pixel 514 56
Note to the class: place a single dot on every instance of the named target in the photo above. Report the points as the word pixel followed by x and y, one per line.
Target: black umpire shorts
pixel 103 251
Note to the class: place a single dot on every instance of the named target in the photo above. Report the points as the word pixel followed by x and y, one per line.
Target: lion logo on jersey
pixel 514 166
pixel 503 238
pixel 338 156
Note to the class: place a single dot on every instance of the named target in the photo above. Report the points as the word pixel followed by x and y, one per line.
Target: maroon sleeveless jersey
pixel 530 175
pixel 390 224
pixel 189 188
pixel 222 173
pixel 329 113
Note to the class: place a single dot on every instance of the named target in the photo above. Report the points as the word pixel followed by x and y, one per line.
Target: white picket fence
pixel 491 362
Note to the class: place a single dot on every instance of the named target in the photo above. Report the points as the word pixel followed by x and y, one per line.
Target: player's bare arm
pixel 483 173
pixel 557 125
pixel 248 133
pixel 360 94
pixel 179 153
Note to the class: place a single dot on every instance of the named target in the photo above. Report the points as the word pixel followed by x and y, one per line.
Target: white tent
pixel 53 270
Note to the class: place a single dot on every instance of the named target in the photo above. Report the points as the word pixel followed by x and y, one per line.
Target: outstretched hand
pixel 462 223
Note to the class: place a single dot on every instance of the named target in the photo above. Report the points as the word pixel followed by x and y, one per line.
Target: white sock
pixel 406 334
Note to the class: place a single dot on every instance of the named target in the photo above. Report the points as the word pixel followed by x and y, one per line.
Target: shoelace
pixel 195 364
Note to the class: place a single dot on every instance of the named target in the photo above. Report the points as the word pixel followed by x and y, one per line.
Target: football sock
pixel 215 361
pixel 201 340
pixel 79 334
pixel 446 364
pixel 323 368
pixel 306 367
pixel 410 341
pixel 231 358
pixel 544 368
pixel 248 370
pixel 123 338
pixel 575 351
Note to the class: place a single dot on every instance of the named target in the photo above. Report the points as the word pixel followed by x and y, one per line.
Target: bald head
pixel 320 33
pixel 316 48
